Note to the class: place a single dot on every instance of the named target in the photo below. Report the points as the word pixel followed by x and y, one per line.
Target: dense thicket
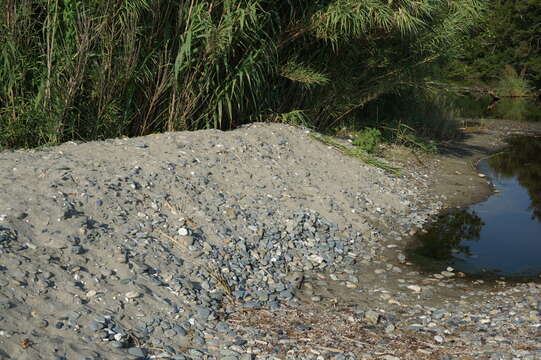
pixel 74 69
pixel 509 36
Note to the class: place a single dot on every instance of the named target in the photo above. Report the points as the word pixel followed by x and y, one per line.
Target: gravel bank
pixel 235 245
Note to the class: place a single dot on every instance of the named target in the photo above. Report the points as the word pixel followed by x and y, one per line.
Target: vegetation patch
pixel 356 152
pixel 83 70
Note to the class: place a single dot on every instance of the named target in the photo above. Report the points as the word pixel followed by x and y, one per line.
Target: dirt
pixel 94 221
pixel 453 170
pixel 455 181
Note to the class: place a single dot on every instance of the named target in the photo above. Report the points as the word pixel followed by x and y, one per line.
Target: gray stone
pixel 203 312
pixel 94 325
pixel 198 340
pixel 170 333
pixel 117 344
pixel 179 330
pixel 135 351
pixel 222 327
pixel 372 317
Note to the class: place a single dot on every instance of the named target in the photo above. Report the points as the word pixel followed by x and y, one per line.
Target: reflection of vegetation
pixel 445 235
pixel 526 109
pixel 522 161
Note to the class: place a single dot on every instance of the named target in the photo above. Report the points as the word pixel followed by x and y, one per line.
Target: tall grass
pixel 511 84
pixel 74 69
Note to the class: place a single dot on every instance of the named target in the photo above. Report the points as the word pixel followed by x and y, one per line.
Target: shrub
pixel 368 140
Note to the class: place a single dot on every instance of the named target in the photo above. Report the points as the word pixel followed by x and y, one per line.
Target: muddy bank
pixel 453 171
pixel 256 243
pixel 394 311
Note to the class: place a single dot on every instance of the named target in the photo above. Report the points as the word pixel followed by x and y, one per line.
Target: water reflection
pixel 444 237
pixel 526 109
pixel 499 236
pixel 521 160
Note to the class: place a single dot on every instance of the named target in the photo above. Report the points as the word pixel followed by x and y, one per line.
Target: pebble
pixel 170 333
pixel 258 246
pixel 133 294
pixel 372 317
pixel 135 351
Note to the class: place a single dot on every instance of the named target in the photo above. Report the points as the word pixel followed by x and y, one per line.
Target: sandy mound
pixel 136 248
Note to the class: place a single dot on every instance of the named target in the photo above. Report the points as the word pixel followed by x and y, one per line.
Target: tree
pixel 510 34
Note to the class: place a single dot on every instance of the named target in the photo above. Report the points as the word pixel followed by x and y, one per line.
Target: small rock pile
pixel 269 267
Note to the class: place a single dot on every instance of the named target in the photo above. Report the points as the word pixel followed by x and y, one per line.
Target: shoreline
pixel 249 244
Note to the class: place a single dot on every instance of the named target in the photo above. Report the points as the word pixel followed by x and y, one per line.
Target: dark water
pixel 527 109
pixel 501 236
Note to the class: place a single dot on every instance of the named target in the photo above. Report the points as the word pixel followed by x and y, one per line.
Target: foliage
pixel 513 85
pixel 368 140
pixel 406 135
pixel 357 153
pixel 507 36
pixel 74 69
pixel 517 101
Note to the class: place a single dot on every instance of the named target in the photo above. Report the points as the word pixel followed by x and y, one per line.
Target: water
pixel 501 236
pixel 526 109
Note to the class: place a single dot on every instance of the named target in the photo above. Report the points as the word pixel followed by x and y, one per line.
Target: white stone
pixel 132 294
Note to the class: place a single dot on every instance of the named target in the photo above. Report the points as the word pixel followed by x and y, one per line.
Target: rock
pixel 138 352
pixel 132 294
pixel 222 327
pixel 389 328
pixel 438 314
pixel 186 241
pixel 77 250
pixel 95 326
pixel 179 330
pixel 414 288
pixel 117 345
pixel 295 279
pixel 170 333
pixel 203 312
pixel 372 317
pixel 318 259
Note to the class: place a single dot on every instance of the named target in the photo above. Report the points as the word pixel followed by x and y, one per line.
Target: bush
pixel 74 69
pixel 368 140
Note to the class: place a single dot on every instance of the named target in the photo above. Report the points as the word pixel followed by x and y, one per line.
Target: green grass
pixel 356 152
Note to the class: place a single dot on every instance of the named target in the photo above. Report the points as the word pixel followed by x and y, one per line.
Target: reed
pixel 73 69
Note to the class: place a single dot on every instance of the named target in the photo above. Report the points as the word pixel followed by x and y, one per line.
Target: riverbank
pixel 260 242
pixel 394 311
